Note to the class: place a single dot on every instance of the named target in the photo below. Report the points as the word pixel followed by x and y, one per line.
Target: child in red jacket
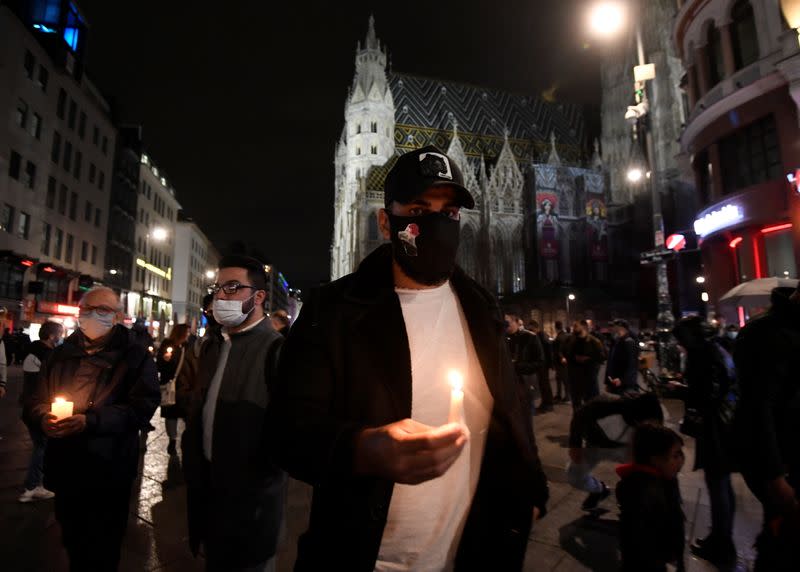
pixel 652 534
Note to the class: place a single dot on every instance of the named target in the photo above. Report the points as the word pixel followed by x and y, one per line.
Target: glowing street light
pixel 635 174
pixel 700 279
pixel 570 298
pixel 606 18
pixel 209 274
pixel 159 234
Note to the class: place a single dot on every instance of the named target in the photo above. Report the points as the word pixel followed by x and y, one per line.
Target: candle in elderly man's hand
pixel 61 408
pixel 456 397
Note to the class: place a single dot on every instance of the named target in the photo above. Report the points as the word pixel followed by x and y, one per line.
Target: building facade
pixel 151 287
pixel 56 162
pixel 196 262
pixel 505 144
pixel 743 89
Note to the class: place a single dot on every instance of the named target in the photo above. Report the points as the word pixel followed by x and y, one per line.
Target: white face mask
pixel 95 326
pixel 229 312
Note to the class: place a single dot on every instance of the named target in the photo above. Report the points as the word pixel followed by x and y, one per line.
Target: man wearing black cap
pixel 623 360
pixel 408 472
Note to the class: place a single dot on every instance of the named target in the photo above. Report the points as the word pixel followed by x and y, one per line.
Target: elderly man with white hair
pixel 92 455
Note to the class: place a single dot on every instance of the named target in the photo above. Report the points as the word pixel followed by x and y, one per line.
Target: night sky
pixel 242 104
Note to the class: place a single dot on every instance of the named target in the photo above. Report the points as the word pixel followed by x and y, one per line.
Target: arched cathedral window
pixel 373 126
pixel 745 36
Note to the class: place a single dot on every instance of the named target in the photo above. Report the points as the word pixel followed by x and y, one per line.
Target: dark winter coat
pixel 634 409
pixel 651 520
pixel 526 352
pixel 117 389
pixel 623 364
pixel 584 374
pixel 767 356
pixel 346 366
pixel 185 381
pixel 235 502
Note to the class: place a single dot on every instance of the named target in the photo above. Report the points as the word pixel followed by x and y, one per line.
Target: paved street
pixel 565 541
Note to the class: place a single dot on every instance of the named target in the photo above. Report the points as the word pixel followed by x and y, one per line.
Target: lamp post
pixel 610 16
pixel 570 298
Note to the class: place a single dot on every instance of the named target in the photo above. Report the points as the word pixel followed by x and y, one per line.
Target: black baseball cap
pixel 419 170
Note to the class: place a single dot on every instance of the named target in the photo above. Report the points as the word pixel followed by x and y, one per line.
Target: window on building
pixel 94 254
pixel 58 244
pixel 73 206
pixel 6 217
pixel 95 135
pixel 92 172
pixel 73 28
pixel 84 251
pixel 67 156
pixel 78 164
pixel 82 125
pixel 23 225
pixel 73 113
pixel 374 149
pixel 101 180
pixel 358 128
pixel 44 77
pixel 743 34
pixel 69 249
pixel 87 212
pixel 358 150
pixel 29 179
pixel 14 165
pixel 373 126
pixel 21 114
pixel 30 64
pixel 105 145
pixel 716 65
pixel 62 199
pixel 46 230
pixel 62 103
pixel 98 217
pixel 50 201
pixel 55 151
pixel 750 155
pixel 36 126
pixel 779 248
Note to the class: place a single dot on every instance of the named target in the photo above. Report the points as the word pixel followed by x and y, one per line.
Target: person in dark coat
pixel 543 373
pixel 407 473
pixel 92 456
pixel 767 356
pixel 174 363
pixel 651 518
pixel 560 363
pixel 235 491
pixel 50 335
pixel 622 372
pixel 710 402
pixel 584 354
pixel 526 355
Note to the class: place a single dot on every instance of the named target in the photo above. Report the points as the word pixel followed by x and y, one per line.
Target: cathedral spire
pixel 371 42
pixel 553 159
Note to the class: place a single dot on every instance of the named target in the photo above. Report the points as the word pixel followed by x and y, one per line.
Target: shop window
pixel 750 156
pixel 744 34
pixel 779 249
pixel 10 280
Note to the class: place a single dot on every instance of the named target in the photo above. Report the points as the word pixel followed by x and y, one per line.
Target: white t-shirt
pixel 425 521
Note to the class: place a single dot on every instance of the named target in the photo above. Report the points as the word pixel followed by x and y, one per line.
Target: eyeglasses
pixel 229 287
pixel 101 310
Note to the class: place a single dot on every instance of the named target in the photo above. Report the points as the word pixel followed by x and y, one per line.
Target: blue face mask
pixel 94 325
pixel 59 342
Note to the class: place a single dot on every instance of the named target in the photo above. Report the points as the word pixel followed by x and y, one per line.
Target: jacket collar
pixel 73 346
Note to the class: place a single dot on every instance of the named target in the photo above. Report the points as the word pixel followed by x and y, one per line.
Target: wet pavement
pixel 564 541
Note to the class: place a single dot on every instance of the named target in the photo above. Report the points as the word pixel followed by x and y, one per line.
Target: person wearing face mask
pixel 235 492
pixel 92 456
pixel 50 336
pixel 362 411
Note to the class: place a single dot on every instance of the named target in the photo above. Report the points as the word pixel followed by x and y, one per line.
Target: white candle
pixel 61 408
pixel 169 351
pixel 456 397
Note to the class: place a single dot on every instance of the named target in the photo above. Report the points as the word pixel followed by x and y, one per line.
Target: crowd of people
pixel 397 396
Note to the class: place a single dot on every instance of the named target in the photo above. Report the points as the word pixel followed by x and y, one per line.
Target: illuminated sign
pixel 154 269
pixel 718 219
pixel 54 308
pixel 794 180
pixel 676 242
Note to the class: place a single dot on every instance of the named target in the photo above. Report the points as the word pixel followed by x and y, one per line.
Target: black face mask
pixel 425 246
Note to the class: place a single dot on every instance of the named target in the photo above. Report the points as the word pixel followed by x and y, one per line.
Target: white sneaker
pixel 39 493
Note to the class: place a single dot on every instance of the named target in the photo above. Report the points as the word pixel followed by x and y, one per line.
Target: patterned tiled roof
pixel 425 109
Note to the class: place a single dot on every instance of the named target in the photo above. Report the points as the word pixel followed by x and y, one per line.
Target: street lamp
pixel 791 11
pixel 113 272
pixel 570 298
pixel 700 279
pixel 606 18
pixel 638 115
pixel 209 274
pixel 159 234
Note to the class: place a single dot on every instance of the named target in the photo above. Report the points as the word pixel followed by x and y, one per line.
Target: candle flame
pixel 456 380
pixel 169 350
pixel 60 400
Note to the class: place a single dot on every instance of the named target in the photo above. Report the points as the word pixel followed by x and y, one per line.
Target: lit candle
pixel 456 397
pixel 169 351
pixel 61 408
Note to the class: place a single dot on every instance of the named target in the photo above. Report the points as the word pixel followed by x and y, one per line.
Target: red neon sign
pixel 736 242
pixel 27 263
pixel 741 317
pixel 757 258
pixel 776 228
pixel 49 269
pixel 55 308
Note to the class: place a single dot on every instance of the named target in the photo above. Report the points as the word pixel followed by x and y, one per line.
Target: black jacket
pixel 526 351
pixel 346 366
pixel 623 364
pixel 42 352
pixel 651 520
pixel 117 389
pixel 767 356
pixel 634 408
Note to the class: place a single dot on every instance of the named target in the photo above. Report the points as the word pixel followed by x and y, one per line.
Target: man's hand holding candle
pixel 407 451
pixel 57 428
